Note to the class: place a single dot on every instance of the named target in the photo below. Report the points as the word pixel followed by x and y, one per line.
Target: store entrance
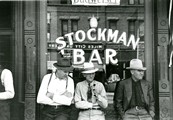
pixel 6 54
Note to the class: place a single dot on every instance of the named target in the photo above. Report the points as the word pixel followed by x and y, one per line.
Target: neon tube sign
pixel 101 35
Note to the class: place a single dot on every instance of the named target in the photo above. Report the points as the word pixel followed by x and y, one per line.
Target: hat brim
pixel 136 68
pixel 90 71
pixel 63 68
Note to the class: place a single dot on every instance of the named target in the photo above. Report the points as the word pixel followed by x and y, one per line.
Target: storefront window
pixel 119 28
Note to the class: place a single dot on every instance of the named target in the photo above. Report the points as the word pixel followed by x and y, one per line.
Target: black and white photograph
pixel 86 60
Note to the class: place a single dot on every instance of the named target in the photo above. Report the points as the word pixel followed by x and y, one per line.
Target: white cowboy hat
pixel 136 64
pixel 88 67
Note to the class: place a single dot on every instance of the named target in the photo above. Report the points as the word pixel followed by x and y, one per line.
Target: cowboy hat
pixel 64 64
pixel 136 64
pixel 88 67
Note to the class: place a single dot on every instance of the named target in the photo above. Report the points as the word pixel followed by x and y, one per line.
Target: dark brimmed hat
pixel 64 64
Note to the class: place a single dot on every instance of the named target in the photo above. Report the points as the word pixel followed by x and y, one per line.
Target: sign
pixel 95 2
pixel 102 35
pixel 87 46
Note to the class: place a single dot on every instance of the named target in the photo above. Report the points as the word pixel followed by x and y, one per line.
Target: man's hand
pixel 152 114
pixel 98 97
pixel 67 94
pixel 50 95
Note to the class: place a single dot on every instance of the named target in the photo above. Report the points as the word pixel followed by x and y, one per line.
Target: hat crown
pixel 64 62
pixel 136 64
pixel 88 67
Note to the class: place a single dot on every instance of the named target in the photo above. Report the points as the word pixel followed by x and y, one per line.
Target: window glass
pixel 141 2
pixel 64 27
pixel 131 2
pixel 113 24
pixel 131 26
pixel 126 25
pixel 63 1
pixel 6 15
pixel 74 25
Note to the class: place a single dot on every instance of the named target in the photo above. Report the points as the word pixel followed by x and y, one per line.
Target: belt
pixel 56 106
pixel 90 109
pixel 138 107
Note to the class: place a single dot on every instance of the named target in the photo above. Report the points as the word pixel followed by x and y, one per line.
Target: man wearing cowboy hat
pixel 56 92
pixel 90 95
pixel 134 98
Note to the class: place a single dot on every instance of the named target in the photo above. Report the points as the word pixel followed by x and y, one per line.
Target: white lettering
pixel 78 56
pixel 112 36
pixel 132 40
pixel 95 57
pixel 110 56
pixel 101 34
pixel 82 36
pixel 122 38
pixel 89 35
pixel 69 37
pixel 60 42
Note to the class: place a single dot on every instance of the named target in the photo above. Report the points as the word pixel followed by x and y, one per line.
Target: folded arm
pixel 7 80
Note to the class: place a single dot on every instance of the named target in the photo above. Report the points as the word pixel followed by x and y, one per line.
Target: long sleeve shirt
pixel 57 87
pixel 81 95
pixel 7 82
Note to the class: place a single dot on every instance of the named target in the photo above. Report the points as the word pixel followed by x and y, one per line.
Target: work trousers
pixel 91 115
pixel 56 113
pixel 137 114
pixel 4 112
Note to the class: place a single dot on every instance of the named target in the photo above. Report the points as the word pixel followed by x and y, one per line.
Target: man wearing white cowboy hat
pixel 56 92
pixel 90 95
pixel 134 97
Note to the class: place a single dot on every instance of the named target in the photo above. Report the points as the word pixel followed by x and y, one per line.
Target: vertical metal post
pixel 149 39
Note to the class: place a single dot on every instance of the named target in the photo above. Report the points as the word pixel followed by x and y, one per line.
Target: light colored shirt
pixel 81 95
pixel 57 87
pixel 7 82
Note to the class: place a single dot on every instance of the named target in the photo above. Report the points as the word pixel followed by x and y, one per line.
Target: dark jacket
pixel 124 94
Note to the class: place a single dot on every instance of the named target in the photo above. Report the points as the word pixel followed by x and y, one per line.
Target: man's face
pixel 89 76
pixel 61 74
pixel 137 74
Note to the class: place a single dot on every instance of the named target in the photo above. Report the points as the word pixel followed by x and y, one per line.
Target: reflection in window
pixel 63 2
pixel 48 26
pixel 74 25
pixel 141 2
pixel 136 27
pixel 113 24
pixel 140 26
pixel 131 27
pixel 64 27
pixel 131 2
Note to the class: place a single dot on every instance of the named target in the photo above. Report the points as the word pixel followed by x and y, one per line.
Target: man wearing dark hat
pixel 134 98
pixel 56 92
pixel 90 95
